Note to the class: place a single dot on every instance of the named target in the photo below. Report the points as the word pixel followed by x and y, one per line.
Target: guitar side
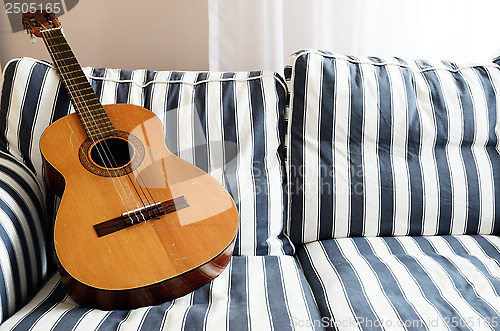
pixel 153 260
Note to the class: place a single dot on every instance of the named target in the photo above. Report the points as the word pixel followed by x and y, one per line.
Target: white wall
pixel 128 34
pixel 261 34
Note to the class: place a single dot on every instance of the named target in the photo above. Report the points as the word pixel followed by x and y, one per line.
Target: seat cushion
pixel 228 124
pixel 258 293
pixel 385 147
pixel 435 282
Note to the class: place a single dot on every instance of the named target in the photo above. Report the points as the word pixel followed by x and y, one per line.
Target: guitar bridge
pixel 153 209
pixel 139 215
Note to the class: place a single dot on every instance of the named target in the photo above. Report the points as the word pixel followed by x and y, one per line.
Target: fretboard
pixel 94 119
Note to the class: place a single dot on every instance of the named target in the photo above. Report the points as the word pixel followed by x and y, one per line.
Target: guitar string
pixel 71 90
pixel 139 176
pixel 82 102
pixel 153 200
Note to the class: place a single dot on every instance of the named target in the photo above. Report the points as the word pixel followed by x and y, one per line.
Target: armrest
pixel 23 235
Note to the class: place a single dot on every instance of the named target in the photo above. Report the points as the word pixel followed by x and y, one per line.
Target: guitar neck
pixel 92 115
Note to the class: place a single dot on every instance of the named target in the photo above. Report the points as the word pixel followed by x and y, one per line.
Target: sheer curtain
pixel 261 34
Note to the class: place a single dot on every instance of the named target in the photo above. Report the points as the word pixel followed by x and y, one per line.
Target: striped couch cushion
pixel 252 293
pixel 385 147
pixel 23 231
pixel 406 283
pixel 228 124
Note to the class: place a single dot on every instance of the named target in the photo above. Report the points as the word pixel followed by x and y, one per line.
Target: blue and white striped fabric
pixel 252 293
pixel 406 283
pixel 385 147
pixel 23 231
pixel 228 124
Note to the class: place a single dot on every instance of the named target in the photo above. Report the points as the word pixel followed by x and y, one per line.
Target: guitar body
pixel 116 249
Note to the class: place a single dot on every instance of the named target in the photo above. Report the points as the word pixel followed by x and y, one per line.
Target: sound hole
pixel 112 153
pixel 127 153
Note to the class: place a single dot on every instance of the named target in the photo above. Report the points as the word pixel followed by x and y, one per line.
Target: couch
pixel 368 192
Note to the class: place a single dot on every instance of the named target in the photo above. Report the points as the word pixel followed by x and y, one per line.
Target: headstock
pixel 38 21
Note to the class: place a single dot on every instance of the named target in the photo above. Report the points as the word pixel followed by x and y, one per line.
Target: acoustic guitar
pixel 136 225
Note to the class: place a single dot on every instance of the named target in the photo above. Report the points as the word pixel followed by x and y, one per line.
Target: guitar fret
pixel 95 127
pixel 54 37
pixel 90 106
pixel 80 80
pixel 90 111
pixel 86 107
pixel 100 133
pixel 70 72
pixel 55 41
pixel 69 65
pixel 84 95
pixel 99 129
pixel 59 48
pixel 56 45
pixel 86 102
pixel 67 58
pixel 73 82
pixel 94 112
pixel 76 84
pixel 64 51
pixel 93 118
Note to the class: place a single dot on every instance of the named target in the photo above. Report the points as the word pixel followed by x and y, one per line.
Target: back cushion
pixel 228 124
pixel 388 147
pixel 23 236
